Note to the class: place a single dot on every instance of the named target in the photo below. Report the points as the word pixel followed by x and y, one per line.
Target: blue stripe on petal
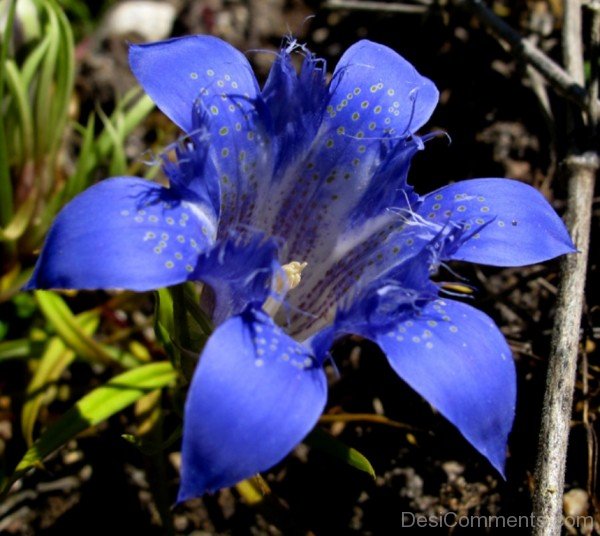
pixel 507 223
pixel 124 233
pixel 254 396
pixel 457 359
pixel 175 73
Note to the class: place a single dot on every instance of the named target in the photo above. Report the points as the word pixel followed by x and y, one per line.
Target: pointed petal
pixel 509 223
pixel 255 394
pixel 175 72
pixel 376 100
pixel 456 358
pixel 123 233
pixel 384 86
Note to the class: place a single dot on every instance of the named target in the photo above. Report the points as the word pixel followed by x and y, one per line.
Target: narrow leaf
pixel 55 359
pixel 320 440
pixel 20 221
pixel 15 349
pixel 60 316
pixel 363 417
pixel 96 407
pixel 12 281
pixel 6 189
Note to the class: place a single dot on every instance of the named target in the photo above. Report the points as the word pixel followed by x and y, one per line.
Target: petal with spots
pixel 376 101
pixel 374 84
pixel 232 128
pixel 124 233
pixel 255 394
pixel 456 358
pixel 506 222
pixel 176 72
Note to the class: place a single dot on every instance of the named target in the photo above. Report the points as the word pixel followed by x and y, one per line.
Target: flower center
pixel 284 282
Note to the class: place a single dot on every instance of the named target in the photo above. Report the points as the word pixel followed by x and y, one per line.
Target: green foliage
pixel 181 326
pixel 64 322
pixel 326 443
pixel 94 408
pixel 36 94
pixel 55 359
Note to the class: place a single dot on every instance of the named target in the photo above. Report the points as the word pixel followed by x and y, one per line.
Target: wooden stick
pixel 381 7
pixel 560 383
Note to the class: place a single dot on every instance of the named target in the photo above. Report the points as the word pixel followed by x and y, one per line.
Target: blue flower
pixel 292 203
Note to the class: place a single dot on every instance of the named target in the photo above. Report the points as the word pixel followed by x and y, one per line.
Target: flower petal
pixel 509 223
pixel 255 394
pixel 124 233
pixel 372 83
pixel 232 129
pixel 376 100
pixel 175 72
pixel 456 358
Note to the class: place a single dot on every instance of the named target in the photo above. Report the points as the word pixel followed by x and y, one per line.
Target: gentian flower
pixel 292 203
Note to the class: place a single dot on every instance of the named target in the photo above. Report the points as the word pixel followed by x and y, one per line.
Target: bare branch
pixel 382 7
pixel 558 78
pixel 558 399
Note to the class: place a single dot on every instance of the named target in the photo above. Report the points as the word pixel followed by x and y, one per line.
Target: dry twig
pixel 558 399
pixel 380 7
pixel 561 80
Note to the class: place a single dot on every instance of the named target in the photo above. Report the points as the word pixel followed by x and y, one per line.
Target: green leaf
pixel 18 90
pixel 12 282
pixel 44 91
pixel 55 359
pixel 6 189
pixel 164 323
pixel 182 326
pixel 15 349
pixel 94 408
pixel 64 77
pixel 127 117
pixel 60 316
pixel 150 448
pixel 35 57
pixel 80 179
pixel 118 161
pixel 320 440
pixel 20 221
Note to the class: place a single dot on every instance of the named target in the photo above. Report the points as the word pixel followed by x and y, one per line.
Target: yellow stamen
pixel 293 276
